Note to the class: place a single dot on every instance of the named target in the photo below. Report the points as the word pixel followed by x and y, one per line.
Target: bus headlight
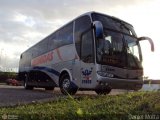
pixel 105 74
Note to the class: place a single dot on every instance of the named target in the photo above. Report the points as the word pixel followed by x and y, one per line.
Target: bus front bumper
pixel 116 83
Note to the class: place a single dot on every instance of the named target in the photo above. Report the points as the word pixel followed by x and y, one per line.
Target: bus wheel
pixel 103 91
pixel 26 86
pixel 66 85
pixel 49 88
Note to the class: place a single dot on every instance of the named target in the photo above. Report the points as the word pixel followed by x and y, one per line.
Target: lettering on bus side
pixel 86 75
pixel 42 59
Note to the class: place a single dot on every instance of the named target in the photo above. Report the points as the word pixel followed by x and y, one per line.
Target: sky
pixel 25 22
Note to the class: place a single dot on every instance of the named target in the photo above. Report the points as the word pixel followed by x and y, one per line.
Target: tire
pixel 26 86
pixel 103 91
pixel 49 88
pixel 66 86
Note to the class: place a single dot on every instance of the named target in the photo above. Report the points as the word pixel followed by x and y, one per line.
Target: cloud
pixel 25 22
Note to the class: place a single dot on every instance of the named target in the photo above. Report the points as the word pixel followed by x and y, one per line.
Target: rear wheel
pixel 66 85
pixel 26 86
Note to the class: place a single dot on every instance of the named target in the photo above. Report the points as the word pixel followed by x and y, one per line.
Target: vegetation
pixel 124 106
pixel 6 75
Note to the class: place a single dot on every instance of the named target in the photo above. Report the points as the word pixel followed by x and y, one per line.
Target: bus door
pixel 87 60
pixel 83 67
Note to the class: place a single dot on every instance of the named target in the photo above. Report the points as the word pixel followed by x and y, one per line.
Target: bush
pixel 7 75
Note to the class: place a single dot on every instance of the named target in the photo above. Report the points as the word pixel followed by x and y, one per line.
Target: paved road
pixel 17 95
pixel 12 95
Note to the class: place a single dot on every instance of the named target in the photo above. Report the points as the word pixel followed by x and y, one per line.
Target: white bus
pixel 92 52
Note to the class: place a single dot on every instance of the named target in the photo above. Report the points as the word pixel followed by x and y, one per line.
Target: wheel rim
pixel 66 83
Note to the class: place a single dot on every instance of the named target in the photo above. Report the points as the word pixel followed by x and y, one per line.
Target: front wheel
pixel 66 86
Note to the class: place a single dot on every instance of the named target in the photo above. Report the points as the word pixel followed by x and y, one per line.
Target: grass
pixel 115 107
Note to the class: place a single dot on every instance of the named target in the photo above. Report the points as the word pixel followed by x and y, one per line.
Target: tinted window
pixel 114 24
pixel 110 50
pixel 62 37
pixel 56 40
pixel 65 36
pixel 51 43
pixel 87 47
pixel 81 25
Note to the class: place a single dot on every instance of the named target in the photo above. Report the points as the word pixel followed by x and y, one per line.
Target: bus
pixel 92 52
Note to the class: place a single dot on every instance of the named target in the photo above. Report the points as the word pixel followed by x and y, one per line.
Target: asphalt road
pixel 17 95
pixel 13 95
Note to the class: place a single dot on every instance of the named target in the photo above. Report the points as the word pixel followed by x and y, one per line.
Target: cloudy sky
pixel 25 22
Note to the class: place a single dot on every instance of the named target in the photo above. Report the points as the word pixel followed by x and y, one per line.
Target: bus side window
pixel 87 47
pixel 81 25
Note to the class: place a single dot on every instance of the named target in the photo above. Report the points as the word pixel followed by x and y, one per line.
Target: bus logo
pixel 86 72
pixel 86 76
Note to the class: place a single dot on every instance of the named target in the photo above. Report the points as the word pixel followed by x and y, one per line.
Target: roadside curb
pixel 2 83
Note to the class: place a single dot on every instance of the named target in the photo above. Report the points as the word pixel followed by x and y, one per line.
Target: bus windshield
pixel 119 46
pixel 118 50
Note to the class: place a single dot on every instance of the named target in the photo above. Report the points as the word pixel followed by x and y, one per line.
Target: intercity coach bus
pixel 92 52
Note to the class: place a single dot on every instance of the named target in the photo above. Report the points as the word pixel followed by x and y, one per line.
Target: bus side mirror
pixel 150 41
pixel 97 25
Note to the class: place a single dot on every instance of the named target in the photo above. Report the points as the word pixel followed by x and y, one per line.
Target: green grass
pixel 91 107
